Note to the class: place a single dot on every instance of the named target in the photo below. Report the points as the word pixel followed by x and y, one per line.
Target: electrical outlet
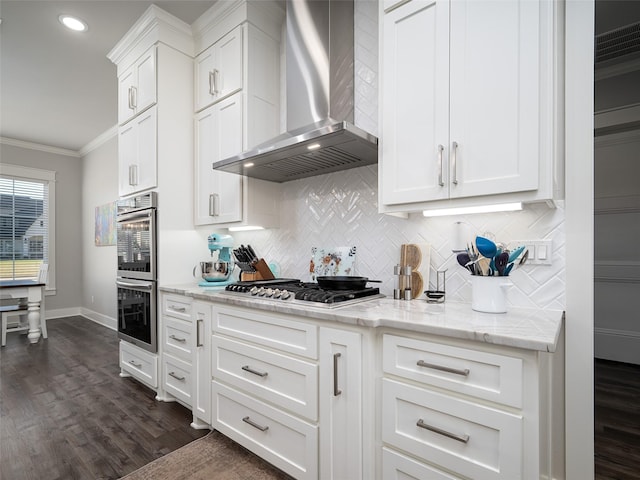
pixel 540 251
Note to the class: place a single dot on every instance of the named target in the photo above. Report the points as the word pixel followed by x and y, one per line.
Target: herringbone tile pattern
pixel 342 209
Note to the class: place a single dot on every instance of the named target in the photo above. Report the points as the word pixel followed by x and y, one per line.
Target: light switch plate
pixel 540 251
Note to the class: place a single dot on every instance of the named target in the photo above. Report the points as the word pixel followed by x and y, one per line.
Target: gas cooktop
pixel 302 293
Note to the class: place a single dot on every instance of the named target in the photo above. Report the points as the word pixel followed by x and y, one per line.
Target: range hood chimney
pixel 321 136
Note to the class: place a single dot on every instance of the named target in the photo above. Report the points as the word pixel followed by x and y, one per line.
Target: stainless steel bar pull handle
pixel 198 323
pixel 336 390
pixel 214 205
pixel 137 365
pixel 177 339
pixel 130 98
pixel 134 97
pixel 211 82
pixel 247 368
pixel 133 175
pixel 216 75
pixel 176 376
pixel 460 438
pixel 262 428
pixel 442 368
pixel 440 179
pixel 178 309
pixel 454 162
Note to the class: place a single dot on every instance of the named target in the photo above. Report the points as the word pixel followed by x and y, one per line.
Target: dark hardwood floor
pixel 617 420
pixel 66 414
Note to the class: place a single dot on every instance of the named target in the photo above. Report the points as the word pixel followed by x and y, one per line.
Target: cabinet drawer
pixel 485 375
pixel 487 443
pixel 269 330
pixel 177 378
pixel 177 338
pixel 281 439
pixel 396 466
pixel 139 363
pixel 176 306
pixel 288 382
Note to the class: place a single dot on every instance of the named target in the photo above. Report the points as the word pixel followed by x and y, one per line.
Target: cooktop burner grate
pixel 296 291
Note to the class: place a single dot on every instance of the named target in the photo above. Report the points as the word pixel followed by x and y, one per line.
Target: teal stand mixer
pixel 217 273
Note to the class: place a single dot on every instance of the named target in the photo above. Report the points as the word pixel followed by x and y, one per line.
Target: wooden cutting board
pixel 418 257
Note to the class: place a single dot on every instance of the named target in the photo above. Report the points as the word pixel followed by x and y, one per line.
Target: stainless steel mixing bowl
pixel 216 271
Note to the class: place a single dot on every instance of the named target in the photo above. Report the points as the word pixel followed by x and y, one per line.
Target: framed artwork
pixel 106 224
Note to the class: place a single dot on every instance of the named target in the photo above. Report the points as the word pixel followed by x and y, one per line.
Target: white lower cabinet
pixel 281 438
pixel 176 349
pixel 341 446
pixel 138 363
pixel 463 410
pixel 460 435
pixel 201 360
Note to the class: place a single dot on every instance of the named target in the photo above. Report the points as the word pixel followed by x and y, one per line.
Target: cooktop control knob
pixel 254 291
pixel 262 291
pixel 268 292
pixel 285 294
pixel 277 293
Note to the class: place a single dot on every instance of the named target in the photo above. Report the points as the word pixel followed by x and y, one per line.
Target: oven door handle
pixel 139 215
pixel 136 286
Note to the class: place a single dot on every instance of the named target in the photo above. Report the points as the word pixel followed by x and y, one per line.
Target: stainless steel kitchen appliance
pixel 137 271
pixel 216 273
pixel 294 291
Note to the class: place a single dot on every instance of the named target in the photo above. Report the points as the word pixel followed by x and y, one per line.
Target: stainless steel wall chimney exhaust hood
pixel 321 136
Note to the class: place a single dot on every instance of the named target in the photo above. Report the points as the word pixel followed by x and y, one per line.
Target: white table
pixel 31 290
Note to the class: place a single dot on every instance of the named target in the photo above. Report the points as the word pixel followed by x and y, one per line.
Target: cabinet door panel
pixel 229 63
pixel 126 81
pixel 204 65
pixel 146 89
pixel 494 93
pixel 202 361
pixel 147 150
pixel 218 194
pixel 415 102
pixel 341 447
pixel 127 148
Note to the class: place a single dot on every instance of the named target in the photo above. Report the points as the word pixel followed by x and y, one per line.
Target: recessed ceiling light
pixel 73 23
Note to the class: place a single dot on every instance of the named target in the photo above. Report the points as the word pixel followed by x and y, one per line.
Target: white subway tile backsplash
pixel 341 209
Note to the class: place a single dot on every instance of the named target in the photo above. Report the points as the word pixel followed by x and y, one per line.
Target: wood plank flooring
pixel 617 420
pixel 66 414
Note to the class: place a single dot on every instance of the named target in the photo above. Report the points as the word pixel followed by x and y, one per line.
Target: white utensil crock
pixel 489 294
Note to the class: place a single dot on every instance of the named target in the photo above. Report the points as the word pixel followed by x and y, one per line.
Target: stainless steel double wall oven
pixel 136 282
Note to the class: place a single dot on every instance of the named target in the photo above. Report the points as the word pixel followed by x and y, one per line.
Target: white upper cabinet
pixel 237 100
pixel 137 87
pixel 218 136
pixel 219 70
pixel 137 153
pixel 466 94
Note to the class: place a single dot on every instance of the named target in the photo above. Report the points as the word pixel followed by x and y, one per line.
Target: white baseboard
pixel 101 319
pixel 62 312
pixel 617 345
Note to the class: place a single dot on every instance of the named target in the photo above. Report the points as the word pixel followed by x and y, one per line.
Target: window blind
pixel 24 222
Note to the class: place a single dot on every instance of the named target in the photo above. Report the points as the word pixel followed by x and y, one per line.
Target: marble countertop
pixel 530 329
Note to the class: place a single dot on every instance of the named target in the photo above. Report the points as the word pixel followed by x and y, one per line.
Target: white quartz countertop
pixel 530 329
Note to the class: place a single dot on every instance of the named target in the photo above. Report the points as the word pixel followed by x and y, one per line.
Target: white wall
pixel 68 241
pixel 99 187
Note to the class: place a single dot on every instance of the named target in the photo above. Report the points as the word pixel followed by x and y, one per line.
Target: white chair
pixel 20 311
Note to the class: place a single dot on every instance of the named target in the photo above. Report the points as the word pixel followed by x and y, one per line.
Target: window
pixel 26 222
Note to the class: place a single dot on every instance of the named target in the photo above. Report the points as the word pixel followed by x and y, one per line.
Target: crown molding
pixel 37 146
pixel 98 141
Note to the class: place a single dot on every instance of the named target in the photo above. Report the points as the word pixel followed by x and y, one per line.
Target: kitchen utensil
pixel 501 262
pixel 507 270
pixel 465 261
pixel 341 282
pixel 516 253
pixel 437 295
pixel 486 247
pixel 483 267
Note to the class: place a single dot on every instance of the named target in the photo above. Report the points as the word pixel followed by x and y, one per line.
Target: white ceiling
pixel 57 87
